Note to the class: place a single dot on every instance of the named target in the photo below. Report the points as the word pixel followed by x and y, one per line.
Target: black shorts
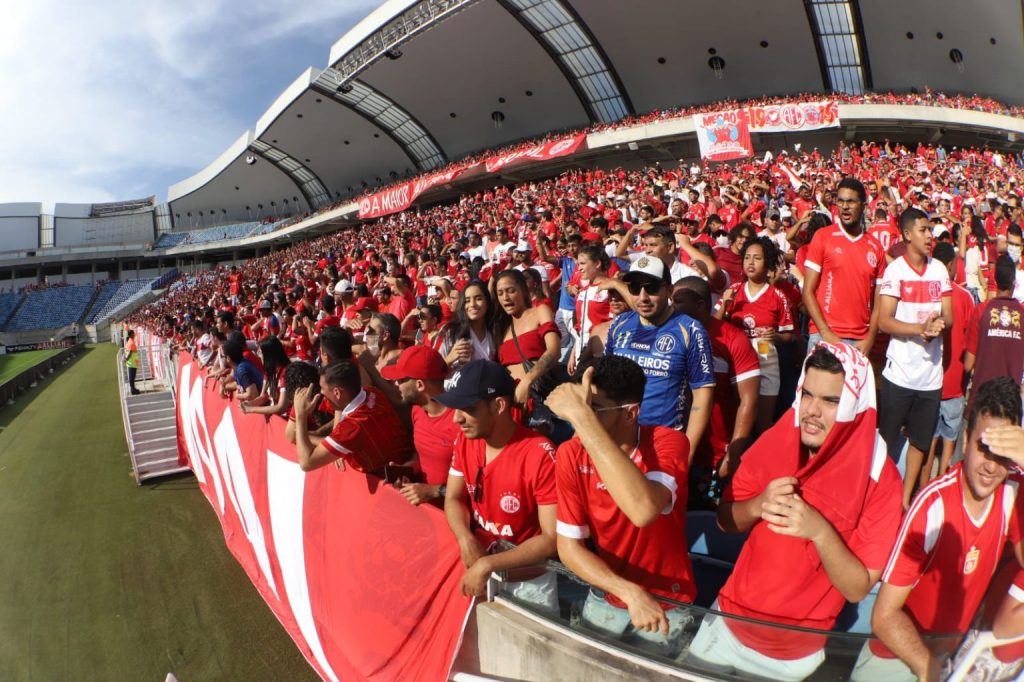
pixel 917 411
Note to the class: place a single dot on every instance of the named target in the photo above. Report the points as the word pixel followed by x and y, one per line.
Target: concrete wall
pixel 19 226
pixel 506 643
pixel 74 227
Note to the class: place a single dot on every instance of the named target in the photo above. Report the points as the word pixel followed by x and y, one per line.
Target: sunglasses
pixel 652 288
pixel 478 485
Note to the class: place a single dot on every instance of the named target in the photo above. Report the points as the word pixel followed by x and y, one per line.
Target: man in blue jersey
pixel 673 350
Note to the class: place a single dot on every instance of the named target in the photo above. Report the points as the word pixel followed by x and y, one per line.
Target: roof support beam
pixel 401 126
pixel 578 55
pixel 839 40
pixel 313 190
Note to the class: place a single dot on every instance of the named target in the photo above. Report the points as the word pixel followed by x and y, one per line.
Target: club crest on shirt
pixel 971 562
pixel 872 259
pixel 509 503
pixel 665 343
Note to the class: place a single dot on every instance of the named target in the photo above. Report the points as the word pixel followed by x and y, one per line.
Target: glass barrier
pixel 703 640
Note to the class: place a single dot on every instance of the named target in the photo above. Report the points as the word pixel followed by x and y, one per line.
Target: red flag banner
pixel 723 135
pixel 541 152
pixel 784 118
pixel 400 197
pixel 366 584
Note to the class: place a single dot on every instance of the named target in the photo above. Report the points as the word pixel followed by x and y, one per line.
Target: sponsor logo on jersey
pixel 502 530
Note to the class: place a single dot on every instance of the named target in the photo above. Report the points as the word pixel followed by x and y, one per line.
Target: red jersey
pixel 802 206
pixel 734 361
pixel 368 434
pixel 325 321
pixel 730 263
pixel 592 309
pixel 885 232
pixel 954 343
pixel 303 346
pixel 730 215
pixel 767 309
pixel 515 484
pixel 947 556
pixel 850 267
pixel 781 579
pixel 434 441
pixel 653 557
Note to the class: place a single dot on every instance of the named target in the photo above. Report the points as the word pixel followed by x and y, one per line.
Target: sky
pixel 119 99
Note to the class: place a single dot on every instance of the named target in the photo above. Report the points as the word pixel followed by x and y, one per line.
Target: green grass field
pixel 104 580
pixel 15 363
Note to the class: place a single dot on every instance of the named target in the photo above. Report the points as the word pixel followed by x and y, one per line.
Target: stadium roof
pixel 420 82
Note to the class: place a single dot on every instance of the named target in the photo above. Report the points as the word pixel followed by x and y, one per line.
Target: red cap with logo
pixel 417 362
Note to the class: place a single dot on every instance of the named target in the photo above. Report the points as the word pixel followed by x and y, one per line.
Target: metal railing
pixel 32 375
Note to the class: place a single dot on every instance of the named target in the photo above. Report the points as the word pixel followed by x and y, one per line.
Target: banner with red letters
pixel 541 152
pixel 366 584
pixel 723 135
pixel 785 118
pixel 400 197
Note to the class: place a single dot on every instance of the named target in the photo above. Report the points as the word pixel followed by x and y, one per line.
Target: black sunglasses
pixel 478 487
pixel 652 288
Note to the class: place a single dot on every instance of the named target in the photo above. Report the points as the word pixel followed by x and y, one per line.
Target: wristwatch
pixel 441 490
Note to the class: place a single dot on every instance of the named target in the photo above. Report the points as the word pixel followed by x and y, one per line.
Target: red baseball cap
pixel 417 362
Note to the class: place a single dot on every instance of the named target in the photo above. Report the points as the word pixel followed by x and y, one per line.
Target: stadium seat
pixel 52 308
pixel 713 553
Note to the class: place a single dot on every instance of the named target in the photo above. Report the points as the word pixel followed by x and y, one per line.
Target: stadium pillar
pixel 138 268
pixel 92 272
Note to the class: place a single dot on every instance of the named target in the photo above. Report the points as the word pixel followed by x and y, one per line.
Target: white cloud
pixel 116 99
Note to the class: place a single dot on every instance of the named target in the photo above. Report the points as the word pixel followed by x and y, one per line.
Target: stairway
pixel 154 435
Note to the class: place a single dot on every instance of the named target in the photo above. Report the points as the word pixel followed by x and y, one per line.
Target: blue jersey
pixel 675 357
pixel 567 301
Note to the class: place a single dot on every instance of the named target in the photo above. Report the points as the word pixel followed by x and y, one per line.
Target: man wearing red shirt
pixel 995 336
pixel 419 375
pixel 367 433
pixel 329 319
pixel 843 267
pixel 949 545
pixel 501 486
pixel 884 229
pixel 403 299
pixel 821 500
pixel 803 204
pixel 734 406
pixel 624 486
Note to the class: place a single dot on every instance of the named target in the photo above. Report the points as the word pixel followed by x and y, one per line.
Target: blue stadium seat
pixel 125 293
pixel 51 308
pixel 8 302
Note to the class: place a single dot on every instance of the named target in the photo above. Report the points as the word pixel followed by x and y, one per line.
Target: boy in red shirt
pixel 949 545
pixel 501 486
pixel 624 486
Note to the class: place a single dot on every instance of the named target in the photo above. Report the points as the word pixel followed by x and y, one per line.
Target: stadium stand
pixel 51 308
pixel 170 240
pixel 124 294
pixel 217 234
pixel 8 304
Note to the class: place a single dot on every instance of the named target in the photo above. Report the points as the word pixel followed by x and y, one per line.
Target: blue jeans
pixel 610 620
pixel 813 339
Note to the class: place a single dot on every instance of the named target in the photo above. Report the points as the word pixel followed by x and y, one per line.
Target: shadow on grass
pixel 9 412
pixel 173 483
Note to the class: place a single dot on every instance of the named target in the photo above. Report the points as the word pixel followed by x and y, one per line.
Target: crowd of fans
pixel 797 342
pixel 926 98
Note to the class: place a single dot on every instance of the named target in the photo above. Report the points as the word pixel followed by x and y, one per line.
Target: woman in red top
pixel 533 327
pixel 762 312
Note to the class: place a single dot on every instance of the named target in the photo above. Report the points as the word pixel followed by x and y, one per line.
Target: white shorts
pixel 716 647
pixel 872 668
pixel 771 380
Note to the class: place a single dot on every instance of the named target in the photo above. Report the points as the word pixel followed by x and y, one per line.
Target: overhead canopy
pixel 420 83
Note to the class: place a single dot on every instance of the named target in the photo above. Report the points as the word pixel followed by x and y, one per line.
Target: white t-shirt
pixel 912 362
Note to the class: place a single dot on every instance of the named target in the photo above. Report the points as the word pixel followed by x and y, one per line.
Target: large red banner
pixel 400 197
pixel 725 135
pixel 541 152
pixel 366 585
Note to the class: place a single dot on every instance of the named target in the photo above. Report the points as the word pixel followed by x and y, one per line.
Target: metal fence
pixel 11 388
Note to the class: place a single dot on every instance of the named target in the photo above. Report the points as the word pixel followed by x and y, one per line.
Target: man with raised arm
pixel 821 500
pixel 623 486
pixel 950 545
